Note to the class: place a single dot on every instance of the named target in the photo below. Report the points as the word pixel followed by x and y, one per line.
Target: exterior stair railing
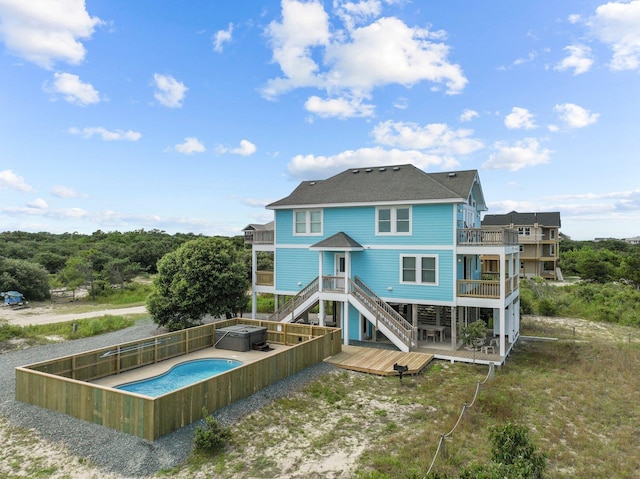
pixel 384 313
pixel 290 306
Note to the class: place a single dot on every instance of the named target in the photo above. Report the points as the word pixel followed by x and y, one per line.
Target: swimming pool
pixel 179 376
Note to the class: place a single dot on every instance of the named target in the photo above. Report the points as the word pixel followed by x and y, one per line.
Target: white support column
pixel 454 328
pixel 502 331
pixel 345 322
pixel 254 295
pixel 320 272
pixel 321 313
pixel 347 270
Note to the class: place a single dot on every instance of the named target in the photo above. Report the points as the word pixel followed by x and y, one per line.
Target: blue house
pixel 394 254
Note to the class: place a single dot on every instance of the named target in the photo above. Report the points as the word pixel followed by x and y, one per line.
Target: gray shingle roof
pixel 338 241
pixel 548 219
pixel 396 183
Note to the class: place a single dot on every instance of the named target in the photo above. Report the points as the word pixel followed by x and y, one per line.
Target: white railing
pixel 384 313
pixel 290 306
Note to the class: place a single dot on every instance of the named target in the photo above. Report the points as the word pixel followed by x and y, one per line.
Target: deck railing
pixel 259 237
pixel 487 236
pixel 264 278
pixel 290 306
pixel 479 288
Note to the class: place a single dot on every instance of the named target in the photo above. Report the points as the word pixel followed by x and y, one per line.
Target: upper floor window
pixel 524 231
pixel 393 220
pixel 307 222
pixel 419 269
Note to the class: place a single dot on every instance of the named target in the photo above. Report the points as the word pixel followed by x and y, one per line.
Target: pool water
pixel 180 376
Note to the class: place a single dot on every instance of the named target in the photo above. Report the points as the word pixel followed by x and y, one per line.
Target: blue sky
pixel 121 115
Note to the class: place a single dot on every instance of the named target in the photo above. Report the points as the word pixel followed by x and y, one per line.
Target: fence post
pixel 442 446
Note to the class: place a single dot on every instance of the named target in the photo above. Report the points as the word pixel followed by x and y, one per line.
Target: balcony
pixel 485 288
pixel 487 237
pixel 259 237
pixel 264 278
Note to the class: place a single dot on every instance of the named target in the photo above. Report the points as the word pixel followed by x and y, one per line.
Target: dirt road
pixel 47 315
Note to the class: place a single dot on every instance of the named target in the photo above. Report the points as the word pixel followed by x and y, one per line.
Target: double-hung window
pixel 419 269
pixel 393 220
pixel 307 222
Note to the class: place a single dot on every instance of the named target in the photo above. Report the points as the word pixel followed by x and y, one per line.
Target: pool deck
pixel 162 367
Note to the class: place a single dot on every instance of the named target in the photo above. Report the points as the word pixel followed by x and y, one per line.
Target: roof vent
pixel 356 171
pixel 452 175
pixel 312 183
pixel 382 169
pixel 368 170
pixel 396 168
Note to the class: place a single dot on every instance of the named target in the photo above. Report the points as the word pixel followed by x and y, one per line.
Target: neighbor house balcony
pixel 259 236
pixel 487 237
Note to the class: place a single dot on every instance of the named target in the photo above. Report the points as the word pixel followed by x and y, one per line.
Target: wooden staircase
pixel 400 331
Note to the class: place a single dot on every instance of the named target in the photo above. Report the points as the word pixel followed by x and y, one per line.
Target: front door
pixel 339 270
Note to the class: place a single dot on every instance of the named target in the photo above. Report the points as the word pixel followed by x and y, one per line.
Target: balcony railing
pixel 479 288
pixel 259 237
pixel 487 236
pixel 264 278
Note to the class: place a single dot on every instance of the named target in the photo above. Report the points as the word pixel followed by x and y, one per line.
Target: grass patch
pixel 81 328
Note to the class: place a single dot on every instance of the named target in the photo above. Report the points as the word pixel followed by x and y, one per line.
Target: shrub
pixel 213 437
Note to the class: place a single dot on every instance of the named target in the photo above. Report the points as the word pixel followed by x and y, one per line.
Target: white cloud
pixel 519 118
pixel 246 148
pixel 436 138
pixel 73 89
pixel 575 116
pixel 522 154
pixel 38 203
pixel 312 166
pixel 46 31
pixel 338 107
pixel 107 135
pixel 221 37
pixel 468 115
pixel 579 59
pixel 353 13
pixel 9 180
pixel 356 61
pixel 616 24
pixel 256 202
pixel 191 145
pixel 169 91
pixel 64 192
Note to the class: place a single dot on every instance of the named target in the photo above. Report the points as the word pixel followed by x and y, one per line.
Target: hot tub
pixel 240 337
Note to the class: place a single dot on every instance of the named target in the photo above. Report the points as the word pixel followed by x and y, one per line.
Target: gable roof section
pixel 548 219
pixel 262 227
pixel 339 241
pixel 383 184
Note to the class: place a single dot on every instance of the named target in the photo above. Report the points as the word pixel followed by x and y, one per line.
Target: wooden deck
pixel 379 361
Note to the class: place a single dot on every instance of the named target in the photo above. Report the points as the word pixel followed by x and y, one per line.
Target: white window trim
pixel 307 227
pixel 394 220
pixel 419 268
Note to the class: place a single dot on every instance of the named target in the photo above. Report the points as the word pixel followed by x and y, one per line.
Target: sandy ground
pixel 47 314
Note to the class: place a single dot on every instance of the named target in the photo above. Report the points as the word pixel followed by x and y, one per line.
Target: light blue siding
pixel 293 266
pixel 354 323
pixel 431 225
pixel 380 270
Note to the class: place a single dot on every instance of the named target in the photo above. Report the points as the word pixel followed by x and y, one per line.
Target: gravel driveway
pixel 110 450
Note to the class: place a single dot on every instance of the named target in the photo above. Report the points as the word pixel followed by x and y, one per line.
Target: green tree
pixel 206 276
pixel 30 279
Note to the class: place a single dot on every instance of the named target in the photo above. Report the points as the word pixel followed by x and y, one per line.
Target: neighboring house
pixel 392 251
pixel 539 238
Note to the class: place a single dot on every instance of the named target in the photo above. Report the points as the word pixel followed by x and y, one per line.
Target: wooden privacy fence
pixel 60 384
